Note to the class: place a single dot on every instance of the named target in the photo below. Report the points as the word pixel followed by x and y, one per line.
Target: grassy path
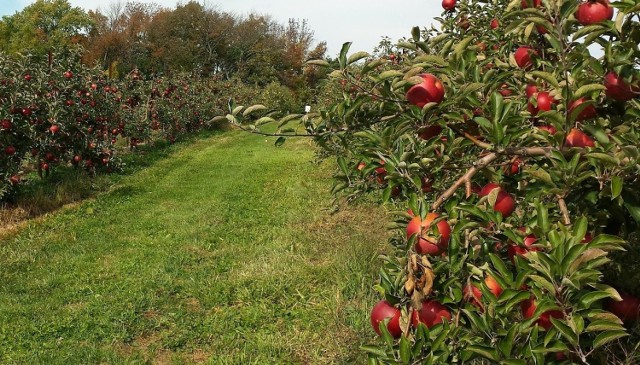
pixel 223 253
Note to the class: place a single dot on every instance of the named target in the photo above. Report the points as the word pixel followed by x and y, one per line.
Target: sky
pixel 362 22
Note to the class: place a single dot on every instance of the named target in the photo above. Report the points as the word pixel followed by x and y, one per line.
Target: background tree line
pixel 193 38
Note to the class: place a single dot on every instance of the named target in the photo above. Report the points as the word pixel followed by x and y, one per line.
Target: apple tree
pixel 509 140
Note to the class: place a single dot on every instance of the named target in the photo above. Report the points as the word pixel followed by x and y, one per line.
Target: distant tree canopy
pixel 156 40
pixel 195 38
pixel 43 25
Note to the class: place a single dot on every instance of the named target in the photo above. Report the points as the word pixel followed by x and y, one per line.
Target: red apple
pixel 474 294
pixel 425 244
pixel 429 132
pixel 523 56
pixel 544 102
pixel 617 89
pixel 448 4
pixel 548 128
pixel 529 308
pixel 381 172
pixel 427 185
pixel 530 90
pixel 494 23
pixel 430 90
pixel 530 3
pixel 514 168
pixel 504 90
pixel 54 129
pixel 14 180
pixel 6 124
pixel 577 138
pixel 27 77
pixel 588 112
pixel 515 250
pixel 10 150
pixel 431 314
pixel 593 12
pixel 383 310
pixel 628 310
pixel 504 202
pixel 67 74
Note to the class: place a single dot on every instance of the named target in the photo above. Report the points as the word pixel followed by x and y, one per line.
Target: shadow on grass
pixel 68 185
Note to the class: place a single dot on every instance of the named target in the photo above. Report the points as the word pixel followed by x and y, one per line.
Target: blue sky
pixel 362 22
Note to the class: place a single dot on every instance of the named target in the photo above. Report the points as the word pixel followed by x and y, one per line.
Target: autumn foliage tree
pixel 509 140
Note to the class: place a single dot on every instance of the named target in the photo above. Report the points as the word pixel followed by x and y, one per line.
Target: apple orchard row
pixel 56 112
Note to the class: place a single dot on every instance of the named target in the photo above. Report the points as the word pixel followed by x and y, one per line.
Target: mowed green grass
pixel 226 252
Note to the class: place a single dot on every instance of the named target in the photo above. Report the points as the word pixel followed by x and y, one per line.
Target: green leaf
pixel 280 141
pixel 323 63
pixel 497 105
pixel 588 89
pixel 554 41
pixel 405 350
pixel 462 46
pixel 506 345
pixel 606 240
pixel 608 336
pixel 265 120
pixel 601 325
pixel 569 258
pixel 415 34
pixel 499 265
pixel 543 282
pixel 484 351
pixel 565 330
pixel 219 118
pixel 582 31
pixel 343 54
pixel 357 57
pixel 543 217
pixel 343 165
pixel 513 362
pixel 389 74
pixel 541 175
pixel 616 186
pixel 633 210
pixel 371 65
pixel 434 59
pixel 372 349
pixel 603 157
pixel 580 229
pixel 253 108
pixel 237 110
pixel 546 76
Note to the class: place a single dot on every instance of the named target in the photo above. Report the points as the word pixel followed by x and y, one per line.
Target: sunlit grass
pixel 225 252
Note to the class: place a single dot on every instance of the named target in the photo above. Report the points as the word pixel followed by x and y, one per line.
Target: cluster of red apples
pixel 432 233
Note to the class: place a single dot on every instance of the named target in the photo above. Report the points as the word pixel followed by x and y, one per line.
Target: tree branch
pixel 465 179
pixel 256 131
pixel 564 210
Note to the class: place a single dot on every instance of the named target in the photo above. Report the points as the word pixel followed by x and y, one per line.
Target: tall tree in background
pixel 43 25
